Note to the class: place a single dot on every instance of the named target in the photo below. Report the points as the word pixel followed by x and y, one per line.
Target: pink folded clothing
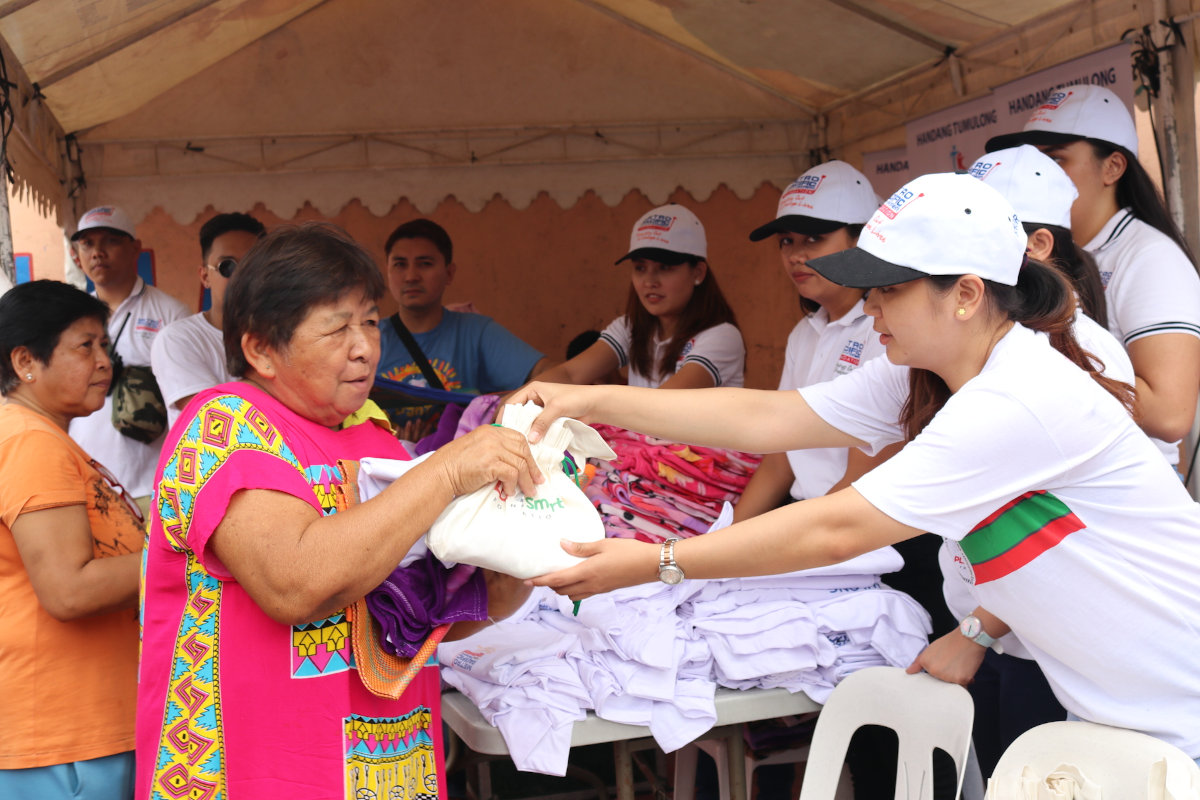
pixel 655 489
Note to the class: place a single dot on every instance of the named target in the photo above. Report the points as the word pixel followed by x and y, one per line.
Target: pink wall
pixel 546 272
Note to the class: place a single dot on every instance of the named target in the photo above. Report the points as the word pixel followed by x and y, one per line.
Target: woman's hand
pixel 557 400
pixel 952 658
pixel 485 456
pixel 611 564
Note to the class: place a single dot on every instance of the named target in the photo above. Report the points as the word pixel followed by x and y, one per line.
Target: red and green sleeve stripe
pixel 1016 534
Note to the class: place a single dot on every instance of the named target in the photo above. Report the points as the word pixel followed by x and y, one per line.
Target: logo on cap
pixel 1055 100
pixel 981 169
pixel 898 202
pixel 805 184
pixel 659 222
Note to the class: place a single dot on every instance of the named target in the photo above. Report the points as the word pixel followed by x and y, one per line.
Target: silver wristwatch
pixel 668 571
pixel 972 628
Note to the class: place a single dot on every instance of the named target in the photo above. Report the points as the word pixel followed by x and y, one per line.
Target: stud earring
pixel 697 283
pixel 28 376
pixel 962 312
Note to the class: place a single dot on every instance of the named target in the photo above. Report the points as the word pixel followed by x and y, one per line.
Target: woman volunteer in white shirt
pixel 1065 524
pixel 678 331
pixel 1150 278
pixel 1011 694
pixel 822 212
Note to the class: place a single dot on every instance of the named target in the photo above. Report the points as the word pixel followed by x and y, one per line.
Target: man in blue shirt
pixel 468 353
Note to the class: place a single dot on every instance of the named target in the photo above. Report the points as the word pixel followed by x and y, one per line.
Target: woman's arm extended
pixel 587 367
pixel 811 533
pixel 299 566
pixel 740 419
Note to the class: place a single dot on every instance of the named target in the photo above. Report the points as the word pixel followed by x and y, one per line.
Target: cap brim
pixel 668 257
pixel 796 223
pixel 82 231
pixel 1035 138
pixel 858 269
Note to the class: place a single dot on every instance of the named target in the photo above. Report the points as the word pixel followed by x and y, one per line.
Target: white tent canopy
pixel 187 103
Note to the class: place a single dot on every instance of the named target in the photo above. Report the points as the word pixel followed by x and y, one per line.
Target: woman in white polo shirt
pixel 1150 277
pixel 822 212
pixel 678 331
pixel 1011 694
pixel 1064 522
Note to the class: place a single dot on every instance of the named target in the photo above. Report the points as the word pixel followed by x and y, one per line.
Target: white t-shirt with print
pixel 149 311
pixel 718 349
pixel 1067 525
pixel 1096 340
pixel 820 350
pixel 1149 284
pixel 188 357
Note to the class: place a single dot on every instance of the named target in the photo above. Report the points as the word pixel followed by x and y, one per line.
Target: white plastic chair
pixel 719 748
pixel 1086 760
pixel 924 712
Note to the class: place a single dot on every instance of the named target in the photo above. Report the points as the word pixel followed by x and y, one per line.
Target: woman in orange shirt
pixel 70 542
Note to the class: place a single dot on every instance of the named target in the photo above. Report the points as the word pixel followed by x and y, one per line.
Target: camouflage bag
pixel 138 408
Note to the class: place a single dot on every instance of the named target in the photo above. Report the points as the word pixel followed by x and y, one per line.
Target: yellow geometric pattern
pixel 190 761
pixel 391 758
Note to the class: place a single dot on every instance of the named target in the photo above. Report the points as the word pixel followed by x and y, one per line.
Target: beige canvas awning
pixel 189 103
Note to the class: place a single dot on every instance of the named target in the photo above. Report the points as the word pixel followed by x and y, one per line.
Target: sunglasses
pixel 225 266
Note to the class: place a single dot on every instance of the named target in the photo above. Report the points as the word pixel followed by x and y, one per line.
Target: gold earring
pixel 962 312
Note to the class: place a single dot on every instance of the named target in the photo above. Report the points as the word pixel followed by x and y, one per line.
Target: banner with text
pixel 953 138
pixel 887 170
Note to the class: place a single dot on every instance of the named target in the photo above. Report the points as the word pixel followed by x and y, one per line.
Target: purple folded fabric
pixel 416 599
pixel 480 412
pixel 446 427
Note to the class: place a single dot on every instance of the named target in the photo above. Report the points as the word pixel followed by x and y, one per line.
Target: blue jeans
pixel 105 778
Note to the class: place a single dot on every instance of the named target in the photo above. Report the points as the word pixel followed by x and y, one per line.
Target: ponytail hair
pixel 1080 268
pixel 1137 192
pixel 1043 301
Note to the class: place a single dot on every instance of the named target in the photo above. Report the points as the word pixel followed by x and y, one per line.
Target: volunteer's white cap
pixel 1036 187
pixel 1075 112
pixel 825 198
pixel 943 224
pixel 109 217
pixel 670 234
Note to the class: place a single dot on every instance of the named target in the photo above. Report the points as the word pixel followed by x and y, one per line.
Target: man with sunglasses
pixel 189 356
pixel 106 248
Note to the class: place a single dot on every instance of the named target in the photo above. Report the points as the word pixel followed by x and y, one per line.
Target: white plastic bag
pixel 520 535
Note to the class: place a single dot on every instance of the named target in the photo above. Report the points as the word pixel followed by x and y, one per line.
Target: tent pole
pixel 8 267
pixel 1176 109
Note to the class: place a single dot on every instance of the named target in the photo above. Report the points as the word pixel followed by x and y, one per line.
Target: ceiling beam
pixel 893 25
pixel 120 44
pixel 14 7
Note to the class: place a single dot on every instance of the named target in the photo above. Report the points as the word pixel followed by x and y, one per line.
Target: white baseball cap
pixel 670 234
pixel 825 198
pixel 1072 113
pixel 942 224
pixel 109 217
pixel 1038 189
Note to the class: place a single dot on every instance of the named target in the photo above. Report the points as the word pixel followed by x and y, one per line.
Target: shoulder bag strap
pixel 415 351
pixel 120 330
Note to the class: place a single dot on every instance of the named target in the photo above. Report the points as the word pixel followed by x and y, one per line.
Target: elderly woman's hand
pixel 485 456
